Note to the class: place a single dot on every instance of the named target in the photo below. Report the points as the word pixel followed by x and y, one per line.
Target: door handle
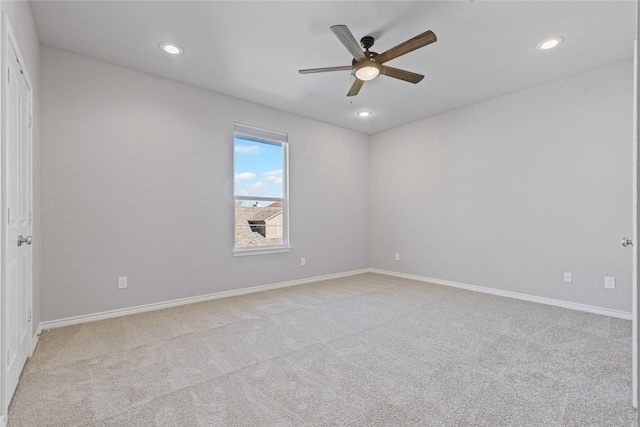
pixel 627 242
pixel 26 240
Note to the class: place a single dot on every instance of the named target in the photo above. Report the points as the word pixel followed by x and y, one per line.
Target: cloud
pixel 247 149
pixel 258 186
pixel 276 179
pixel 244 175
pixel 273 173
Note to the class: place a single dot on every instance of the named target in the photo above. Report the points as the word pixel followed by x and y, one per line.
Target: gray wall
pixel 512 192
pixel 19 13
pixel 137 181
pixel 508 194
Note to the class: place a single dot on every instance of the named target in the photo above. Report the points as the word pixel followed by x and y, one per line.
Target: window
pixel 260 166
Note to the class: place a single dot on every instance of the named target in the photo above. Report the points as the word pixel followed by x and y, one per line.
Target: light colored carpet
pixel 367 350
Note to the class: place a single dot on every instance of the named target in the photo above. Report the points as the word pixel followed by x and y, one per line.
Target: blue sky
pixel 257 168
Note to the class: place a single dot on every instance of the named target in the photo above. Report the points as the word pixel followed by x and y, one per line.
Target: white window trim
pixel 260 250
pixel 265 136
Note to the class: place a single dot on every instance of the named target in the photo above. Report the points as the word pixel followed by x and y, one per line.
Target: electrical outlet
pixel 303 261
pixel 610 282
pixel 568 277
pixel 397 256
pixel 122 282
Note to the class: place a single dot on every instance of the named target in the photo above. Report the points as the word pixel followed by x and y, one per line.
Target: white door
pixel 17 268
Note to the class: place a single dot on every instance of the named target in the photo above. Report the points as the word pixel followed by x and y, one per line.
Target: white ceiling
pixel 253 50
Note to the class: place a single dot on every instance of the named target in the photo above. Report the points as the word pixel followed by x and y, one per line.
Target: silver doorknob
pixel 627 242
pixel 26 240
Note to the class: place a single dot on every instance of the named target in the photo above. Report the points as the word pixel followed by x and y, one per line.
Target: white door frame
pixel 3 414
pixel 9 39
pixel 636 219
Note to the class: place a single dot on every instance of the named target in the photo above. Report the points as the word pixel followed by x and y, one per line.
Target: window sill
pixel 260 251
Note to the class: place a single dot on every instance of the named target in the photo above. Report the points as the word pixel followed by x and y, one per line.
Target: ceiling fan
pixel 368 65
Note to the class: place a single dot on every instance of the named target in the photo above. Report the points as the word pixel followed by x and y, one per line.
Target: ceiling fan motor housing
pixel 369 57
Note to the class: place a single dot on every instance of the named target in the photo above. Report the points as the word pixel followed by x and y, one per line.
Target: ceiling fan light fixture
pixel 367 70
pixel 549 43
pixel 367 73
pixel 363 113
pixel 171 48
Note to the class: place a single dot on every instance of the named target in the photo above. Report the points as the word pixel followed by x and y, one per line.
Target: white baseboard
pixel 3 420
pixel 174 303
pixel 526 297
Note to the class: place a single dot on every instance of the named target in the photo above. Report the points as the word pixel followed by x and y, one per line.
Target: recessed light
pixel 549 43
pixel 171 48
pixel 363 113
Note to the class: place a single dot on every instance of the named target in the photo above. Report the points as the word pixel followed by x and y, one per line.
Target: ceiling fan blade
pixel 407 76
pixel 344 35
pixel 355 88
pixel 410 45
pixel 324 70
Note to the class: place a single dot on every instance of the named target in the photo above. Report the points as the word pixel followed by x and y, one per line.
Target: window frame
pixel 264 136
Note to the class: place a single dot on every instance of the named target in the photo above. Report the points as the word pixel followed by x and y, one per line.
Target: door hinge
pixel 30 217
pixel 30 315
pixel 8 356
pixel 30 120
pixel 8 75
pixel 8 215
